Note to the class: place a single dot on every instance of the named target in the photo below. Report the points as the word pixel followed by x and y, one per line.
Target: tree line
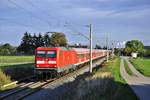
pixel 133 46
pixel 7 49
pixel 50 39
pixel 30 42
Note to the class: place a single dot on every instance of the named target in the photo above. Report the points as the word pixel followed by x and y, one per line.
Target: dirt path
pixel 139 83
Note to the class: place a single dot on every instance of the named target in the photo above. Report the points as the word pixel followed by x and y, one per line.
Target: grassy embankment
pixel 142 65
pixel 127 68
pixel 105 83
pixel 14 68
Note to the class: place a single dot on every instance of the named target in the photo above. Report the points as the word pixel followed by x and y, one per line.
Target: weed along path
pixel 139 83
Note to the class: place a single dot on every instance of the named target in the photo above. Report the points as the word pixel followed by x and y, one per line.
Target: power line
pixel 32 14
pixel 75 31
pixel 13 22
pixel 1 19
pixel 53 17
pixel 29 2
pixel 58 20
pixel 17 5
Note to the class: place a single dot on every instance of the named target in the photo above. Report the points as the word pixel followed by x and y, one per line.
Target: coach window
pixel 41 53
pixel 79 56
pixel 51 54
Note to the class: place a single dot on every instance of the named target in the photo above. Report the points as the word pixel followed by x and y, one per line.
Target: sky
pixel 120 20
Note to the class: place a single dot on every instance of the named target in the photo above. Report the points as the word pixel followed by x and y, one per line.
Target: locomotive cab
pixel 46 59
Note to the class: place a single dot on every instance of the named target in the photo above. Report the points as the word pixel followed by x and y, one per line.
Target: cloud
pixel 136 13
pixel 120 18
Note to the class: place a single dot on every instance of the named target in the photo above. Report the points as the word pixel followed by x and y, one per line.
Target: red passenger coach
pixel 59 59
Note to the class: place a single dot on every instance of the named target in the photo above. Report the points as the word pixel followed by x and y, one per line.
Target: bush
pixel 147 53
pixel 4 79
pixel 7 49
pixel 101 85
pixel 18 73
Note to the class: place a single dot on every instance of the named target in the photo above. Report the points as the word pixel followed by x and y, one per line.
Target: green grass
pixel 114 67
pixel 142 65
pixel 15 68
pixel 15 60
pixel 105 83
pixel 127 68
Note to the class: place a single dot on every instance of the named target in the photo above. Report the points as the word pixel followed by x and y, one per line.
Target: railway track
pixel 24 90
pixel 21 83
pixel 31 88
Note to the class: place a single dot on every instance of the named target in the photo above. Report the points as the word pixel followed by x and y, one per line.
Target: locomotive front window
pixel 51 54
pixel 41 53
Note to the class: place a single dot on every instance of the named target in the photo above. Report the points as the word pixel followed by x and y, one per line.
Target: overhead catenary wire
pixel 30 12
pixel 46 21
pixel 17 23
pixel 13 22
pixel 75 31
pixel 45 13
pixel 78 33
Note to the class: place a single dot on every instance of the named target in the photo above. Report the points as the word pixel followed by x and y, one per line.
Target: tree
pixel 7 46
pixel 34 41
pixel 4 52
pixel 7 49
pixel 25 43
pixel 134 46
pixel 58 39
pixel 40 40
pixel 46 40
pixel 30 42
pixel 98 46
pixel 128 51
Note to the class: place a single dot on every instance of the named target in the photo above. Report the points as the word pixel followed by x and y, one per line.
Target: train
pixel 61 59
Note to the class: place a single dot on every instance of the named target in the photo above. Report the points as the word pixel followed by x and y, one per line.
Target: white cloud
pixel 136 13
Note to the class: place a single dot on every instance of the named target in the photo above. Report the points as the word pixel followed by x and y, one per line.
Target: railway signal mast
pixel 90 48
pixel 90 41
pixel 112 48
pixel 107 47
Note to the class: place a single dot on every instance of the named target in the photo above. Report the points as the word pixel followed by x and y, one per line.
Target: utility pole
pixel 107 46
pixel 90 69
pixel 113 49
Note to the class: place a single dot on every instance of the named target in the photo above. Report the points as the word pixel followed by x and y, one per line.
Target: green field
pixel 12 61
pixel 15 68
pixel 142 65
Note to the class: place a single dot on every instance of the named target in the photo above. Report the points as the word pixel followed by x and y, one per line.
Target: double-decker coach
pixel 59 59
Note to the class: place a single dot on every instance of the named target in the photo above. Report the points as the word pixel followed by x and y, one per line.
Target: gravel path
pixel 139 83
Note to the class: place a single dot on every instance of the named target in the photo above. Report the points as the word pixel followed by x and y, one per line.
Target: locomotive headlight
pixel 40 62
pixel 52 62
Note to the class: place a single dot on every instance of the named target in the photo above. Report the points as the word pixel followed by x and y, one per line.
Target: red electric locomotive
pixel 59 59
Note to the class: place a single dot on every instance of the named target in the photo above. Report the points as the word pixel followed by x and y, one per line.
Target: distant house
pixel 78 46
pixel 134 54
